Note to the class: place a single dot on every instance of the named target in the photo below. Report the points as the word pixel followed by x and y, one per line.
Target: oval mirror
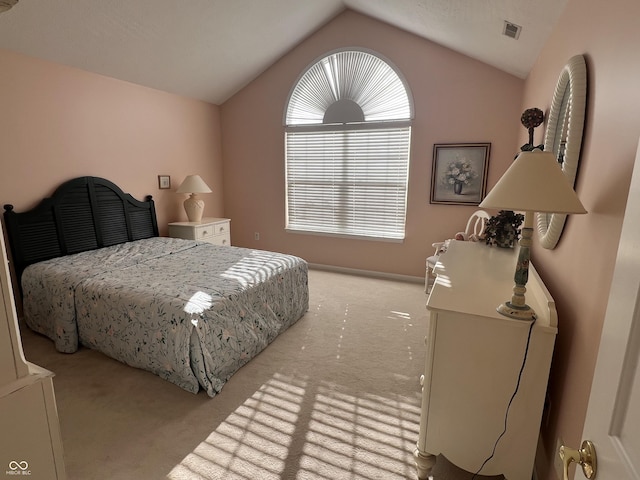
pixel 565 124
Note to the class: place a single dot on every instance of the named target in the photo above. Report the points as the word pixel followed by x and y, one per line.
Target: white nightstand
pixel 212 230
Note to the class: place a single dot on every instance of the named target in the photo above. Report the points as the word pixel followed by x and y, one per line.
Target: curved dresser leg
pixel 424 463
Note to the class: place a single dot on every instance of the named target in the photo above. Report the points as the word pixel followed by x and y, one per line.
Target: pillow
pixel 445 470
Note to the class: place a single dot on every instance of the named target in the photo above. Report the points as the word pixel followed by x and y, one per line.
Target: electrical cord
pixel 506 415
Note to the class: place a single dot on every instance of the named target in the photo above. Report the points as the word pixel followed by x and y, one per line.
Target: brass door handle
pixel 586 457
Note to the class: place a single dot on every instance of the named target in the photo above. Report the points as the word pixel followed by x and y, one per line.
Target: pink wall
pixel 58 123
pixel 578 272
pixel 457 99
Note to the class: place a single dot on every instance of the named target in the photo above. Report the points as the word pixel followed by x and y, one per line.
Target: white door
pixel 613 416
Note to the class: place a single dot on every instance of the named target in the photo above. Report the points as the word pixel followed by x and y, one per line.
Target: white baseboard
pixel 367 273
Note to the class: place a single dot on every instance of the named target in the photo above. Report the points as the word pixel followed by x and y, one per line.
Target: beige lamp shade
pixel 534 183
pixel 194 207
pixel 193 184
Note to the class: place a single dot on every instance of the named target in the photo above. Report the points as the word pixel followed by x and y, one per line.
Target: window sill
pixel 343 235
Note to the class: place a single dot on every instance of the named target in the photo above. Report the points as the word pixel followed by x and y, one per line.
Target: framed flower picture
pixel 459 174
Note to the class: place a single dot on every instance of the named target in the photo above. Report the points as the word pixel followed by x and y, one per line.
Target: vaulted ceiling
pixel 210 49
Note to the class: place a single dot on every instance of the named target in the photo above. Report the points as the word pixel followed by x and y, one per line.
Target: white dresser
pixel 212 230
pixel 30 440
pixel 473 360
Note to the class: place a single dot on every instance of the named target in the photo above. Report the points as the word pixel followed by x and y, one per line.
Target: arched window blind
pixel 348 132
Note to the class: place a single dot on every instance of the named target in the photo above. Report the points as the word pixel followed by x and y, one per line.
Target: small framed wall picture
pixel 164 182
pixel 459 175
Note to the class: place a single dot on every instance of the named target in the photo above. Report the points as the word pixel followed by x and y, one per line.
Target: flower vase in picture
pixel 458 174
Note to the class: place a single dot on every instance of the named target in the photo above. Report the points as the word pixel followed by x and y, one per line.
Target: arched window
pixel 348 132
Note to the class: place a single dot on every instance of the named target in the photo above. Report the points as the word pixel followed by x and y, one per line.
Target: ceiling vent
pixel 511 30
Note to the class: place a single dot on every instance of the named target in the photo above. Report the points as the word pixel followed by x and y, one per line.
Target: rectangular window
pixel 348 182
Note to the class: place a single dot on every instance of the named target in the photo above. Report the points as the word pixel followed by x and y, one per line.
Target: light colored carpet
pixel 335 397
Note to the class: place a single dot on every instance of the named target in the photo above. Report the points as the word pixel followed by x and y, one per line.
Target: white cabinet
pixel 30 440
pixel 212 230
pixel 473 362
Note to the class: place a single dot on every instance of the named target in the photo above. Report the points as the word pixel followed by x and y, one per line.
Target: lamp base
pixel 516 312
pixel 194 208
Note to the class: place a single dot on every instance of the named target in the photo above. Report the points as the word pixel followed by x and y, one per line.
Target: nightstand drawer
pixel 212 230
pixel 204 232
pixel 223 239
pixel 221 228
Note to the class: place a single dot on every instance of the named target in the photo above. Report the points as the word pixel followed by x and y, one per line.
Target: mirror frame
pixel 572 82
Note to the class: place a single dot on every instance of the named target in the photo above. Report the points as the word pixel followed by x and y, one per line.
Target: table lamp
pixel 533 183
pixel 194 207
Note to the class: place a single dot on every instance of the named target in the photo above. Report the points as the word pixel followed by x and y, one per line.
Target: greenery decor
pixel 503 229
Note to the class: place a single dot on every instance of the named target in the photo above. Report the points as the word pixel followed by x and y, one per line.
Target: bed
pixel 94 272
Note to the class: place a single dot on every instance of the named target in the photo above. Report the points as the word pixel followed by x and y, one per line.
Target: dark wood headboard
pixel 84 213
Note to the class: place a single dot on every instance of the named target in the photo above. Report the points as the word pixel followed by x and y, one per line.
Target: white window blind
pixel 347 148
pixel 350 182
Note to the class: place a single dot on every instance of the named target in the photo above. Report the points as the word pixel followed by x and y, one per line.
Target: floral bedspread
pixel 191 312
